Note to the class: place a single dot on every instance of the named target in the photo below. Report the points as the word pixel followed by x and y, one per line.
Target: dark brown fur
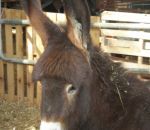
pixel 103 96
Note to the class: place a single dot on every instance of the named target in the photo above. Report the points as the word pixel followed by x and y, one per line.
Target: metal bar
pixel 14 22
pixel 136 26
pixel 9 59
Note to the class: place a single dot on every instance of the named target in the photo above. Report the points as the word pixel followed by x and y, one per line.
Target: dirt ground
pixel 17 116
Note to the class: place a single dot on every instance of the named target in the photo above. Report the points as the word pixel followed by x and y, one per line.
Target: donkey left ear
pixel 47 30
pixel 78 22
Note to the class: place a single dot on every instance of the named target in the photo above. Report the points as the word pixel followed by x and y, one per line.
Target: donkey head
pixel 64 67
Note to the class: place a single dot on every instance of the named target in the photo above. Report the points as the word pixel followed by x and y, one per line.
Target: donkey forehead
pixel 68 63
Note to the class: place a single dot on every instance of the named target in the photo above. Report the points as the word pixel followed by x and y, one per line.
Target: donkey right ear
pixel 78 22
pixel 42 24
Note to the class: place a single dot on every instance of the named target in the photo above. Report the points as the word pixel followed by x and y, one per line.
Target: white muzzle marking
pixel 50 125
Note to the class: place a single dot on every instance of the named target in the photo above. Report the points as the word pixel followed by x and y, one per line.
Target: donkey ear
pixel 78 22
pixel 42 24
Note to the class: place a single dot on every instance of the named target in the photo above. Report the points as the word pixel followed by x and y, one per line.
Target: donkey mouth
pixel 50 126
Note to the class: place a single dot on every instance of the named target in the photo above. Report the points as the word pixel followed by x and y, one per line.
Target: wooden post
pixel 19 53
pixel 95 32
pixel 30 85
pixel 34 40
pixel 1 80
pixel 37 52
pixel 9 53
pixel 2 92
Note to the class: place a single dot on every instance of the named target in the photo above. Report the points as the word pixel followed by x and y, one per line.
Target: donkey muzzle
pixel 50 126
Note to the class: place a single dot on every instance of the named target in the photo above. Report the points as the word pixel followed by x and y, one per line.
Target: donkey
pixel 82 89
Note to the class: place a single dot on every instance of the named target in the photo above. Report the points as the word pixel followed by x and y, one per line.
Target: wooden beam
pixel 136 68
pixel 137 26
pixel 125 17
pixel 126 34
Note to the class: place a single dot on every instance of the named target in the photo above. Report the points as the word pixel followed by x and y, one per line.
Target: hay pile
pixel 17 116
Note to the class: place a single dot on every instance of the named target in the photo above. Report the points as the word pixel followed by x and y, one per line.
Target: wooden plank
pixel 136 65
pixel 9 52
pixel 133 67
pixel 147 45
pixel 128 26
pixel 125 17
pixel 25 53
pixel 2 91
pixel 34 55
pixel 51 16
pixel 126 34
pixel 140 59
pixel 39 93
pixel 18 72
pixel 136 68
pixel 60 19
pixel 39 48
pixel 1 80
pixel 114 42
pixel 125 47
pixel 10 66
pixel 95 32
pixel 125 51
pixel 30 85
pixel 19 53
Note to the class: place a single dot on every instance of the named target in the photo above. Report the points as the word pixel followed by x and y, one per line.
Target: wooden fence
pixel 19 42
pixel 23 42
pixel 123 35
pixel 127 36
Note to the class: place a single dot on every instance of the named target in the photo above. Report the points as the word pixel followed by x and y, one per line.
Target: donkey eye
pixel 71 89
